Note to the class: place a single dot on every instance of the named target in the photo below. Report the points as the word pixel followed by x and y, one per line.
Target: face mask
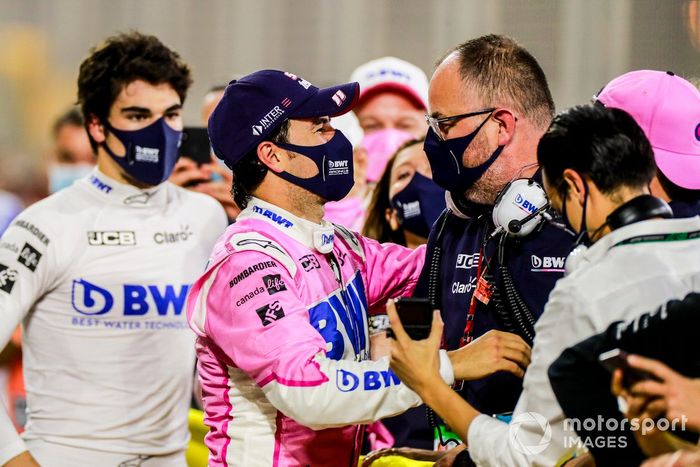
pixel 380 146
pixel 582 237
pixel 446 160
pixel 335 169
pixel 63 175
pixel 419 205
pixel 151 152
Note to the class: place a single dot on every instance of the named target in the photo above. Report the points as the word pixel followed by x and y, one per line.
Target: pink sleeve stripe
pixel 291 382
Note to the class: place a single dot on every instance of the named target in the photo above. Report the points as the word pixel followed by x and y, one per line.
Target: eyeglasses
pixel 440 127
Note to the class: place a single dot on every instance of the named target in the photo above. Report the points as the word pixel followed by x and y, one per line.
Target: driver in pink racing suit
pixel 281 311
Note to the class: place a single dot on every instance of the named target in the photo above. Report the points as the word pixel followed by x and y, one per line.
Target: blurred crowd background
pixel 581 45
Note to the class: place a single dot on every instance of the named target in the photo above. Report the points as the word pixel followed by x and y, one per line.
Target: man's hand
pixel 492 352
pixel 188 174
pixel 23 460
pixel 676 459
pixel 673 394
pixel 417 363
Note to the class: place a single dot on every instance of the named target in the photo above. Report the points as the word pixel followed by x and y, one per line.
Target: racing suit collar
pixel 315 236
pixel 123 193
pixel 596 252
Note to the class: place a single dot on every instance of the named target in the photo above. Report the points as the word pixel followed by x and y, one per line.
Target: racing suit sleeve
pixel 266 332
pixel 392 271
pixel 27 263
pixel 537 434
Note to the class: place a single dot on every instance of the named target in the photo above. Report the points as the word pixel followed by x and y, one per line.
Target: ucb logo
pixel 136 300
pixel 112 238
pixel 551 263
pixel 346 381
pixel 525 204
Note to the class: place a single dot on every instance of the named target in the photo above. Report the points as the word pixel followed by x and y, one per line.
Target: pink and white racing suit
pixel 283 340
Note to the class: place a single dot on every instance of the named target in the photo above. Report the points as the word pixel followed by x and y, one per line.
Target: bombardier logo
pixel 547 263
pixel 338 167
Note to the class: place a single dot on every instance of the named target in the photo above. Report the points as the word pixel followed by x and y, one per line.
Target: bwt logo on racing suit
pixel 548 263
pixel 273 216
pixel 524 204
pixel 343 327
pixel 90 299
pixel 347 381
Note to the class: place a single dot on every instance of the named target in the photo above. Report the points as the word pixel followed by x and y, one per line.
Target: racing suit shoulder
pixel 32 257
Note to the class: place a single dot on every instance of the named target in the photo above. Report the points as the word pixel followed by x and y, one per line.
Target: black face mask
pixel 445 158
pixel 419 205
pixel 582 237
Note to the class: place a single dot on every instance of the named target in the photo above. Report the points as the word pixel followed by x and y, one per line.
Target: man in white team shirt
pixel 98 273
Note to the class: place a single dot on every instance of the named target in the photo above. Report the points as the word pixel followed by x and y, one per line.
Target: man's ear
pixel 506 121
pixel 576 186
pixel 267 153
pixel 96 129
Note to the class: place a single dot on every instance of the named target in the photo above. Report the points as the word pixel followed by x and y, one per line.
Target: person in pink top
pixel 281 310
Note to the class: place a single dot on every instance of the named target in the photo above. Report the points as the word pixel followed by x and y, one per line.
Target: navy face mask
pixel 445 158
pixel 333 159
pixel 419 205
pixel 582 237
pixel 151 152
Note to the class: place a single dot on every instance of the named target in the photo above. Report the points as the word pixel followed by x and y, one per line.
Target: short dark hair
pixel 71 117
pixel 249 172
pixel 120 60
pixel 604 144
pixel 503 72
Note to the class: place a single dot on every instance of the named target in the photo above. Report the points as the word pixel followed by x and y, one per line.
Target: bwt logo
pixel 347 381
pixel 524 204
pixel 272 216
pixel 92 300
pixel 548 263
pixel 337 164
pixel 147 154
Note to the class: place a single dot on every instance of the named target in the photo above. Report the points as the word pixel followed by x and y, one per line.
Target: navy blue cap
pixel 256 105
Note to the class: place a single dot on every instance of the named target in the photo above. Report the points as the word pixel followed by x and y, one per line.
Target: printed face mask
pixel 151 152
pixel 419 205
pixel 445 158
pixel 380 146
pixel 335 168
